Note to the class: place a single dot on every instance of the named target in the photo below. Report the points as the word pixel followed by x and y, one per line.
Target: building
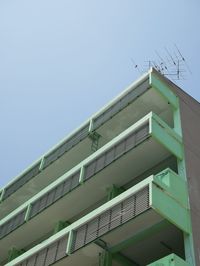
pixel 123 189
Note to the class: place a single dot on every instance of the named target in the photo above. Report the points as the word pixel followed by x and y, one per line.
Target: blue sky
pixel 61 60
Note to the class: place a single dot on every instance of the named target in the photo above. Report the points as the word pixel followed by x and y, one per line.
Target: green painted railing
pixel 155 192
pixel 151 124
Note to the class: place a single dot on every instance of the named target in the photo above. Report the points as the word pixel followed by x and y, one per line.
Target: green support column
pixel 14 253
pixel 170 96
pixel 60 225
pixel 114 191
pixel 188 238
pixel 105 258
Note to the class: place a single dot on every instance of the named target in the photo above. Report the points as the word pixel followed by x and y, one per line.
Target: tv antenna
pixel 136 66
pixel 172 65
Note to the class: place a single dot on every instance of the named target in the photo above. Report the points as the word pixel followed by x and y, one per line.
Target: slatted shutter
pixel 130 142
pixel 110 155
pixel 79 237
pixel 141 134
pixel 67 186
pixel 120 104
pixel 51 254
pixel 21 181
pixel 31 261
pixel 92 231
pixel 111 219
pixel 48 255
pixel 116 151
pixel 43 203
pixel 120 149
pixel 90 170
pixel 74 181
pixel 115 216
pixel 13 223
pixel 100 163
pixel 128 210
pixel 61 249
pixel 55 194
pixel 66 146
pixel 50 197
pixel 58 192
pixel 104 220
pixel 142 202
pixel 41 257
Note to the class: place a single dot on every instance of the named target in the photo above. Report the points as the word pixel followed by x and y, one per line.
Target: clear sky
pixel 61 60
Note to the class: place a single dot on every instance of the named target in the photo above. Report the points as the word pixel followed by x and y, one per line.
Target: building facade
pixel 122 189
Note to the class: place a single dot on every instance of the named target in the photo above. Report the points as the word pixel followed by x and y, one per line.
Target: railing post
pixel 2 194
pixel 82 173
pixel 27 215
pixel 105 258
pixel 41 163
pixel 69 243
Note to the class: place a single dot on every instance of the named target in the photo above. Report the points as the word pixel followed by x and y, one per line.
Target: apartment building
pixel 122 189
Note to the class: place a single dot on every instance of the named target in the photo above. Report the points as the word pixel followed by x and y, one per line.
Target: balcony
pixel 134 103
pixel 146 143
pixel 137 226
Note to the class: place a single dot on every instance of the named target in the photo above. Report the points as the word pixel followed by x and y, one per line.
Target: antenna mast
pixel 173 66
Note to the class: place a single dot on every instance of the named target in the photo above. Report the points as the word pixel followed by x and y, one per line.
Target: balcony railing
pixel 113 216
pixel 82 133
pixel 95 168
pixel 111 219
pixel 70 181
pixel 48 255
